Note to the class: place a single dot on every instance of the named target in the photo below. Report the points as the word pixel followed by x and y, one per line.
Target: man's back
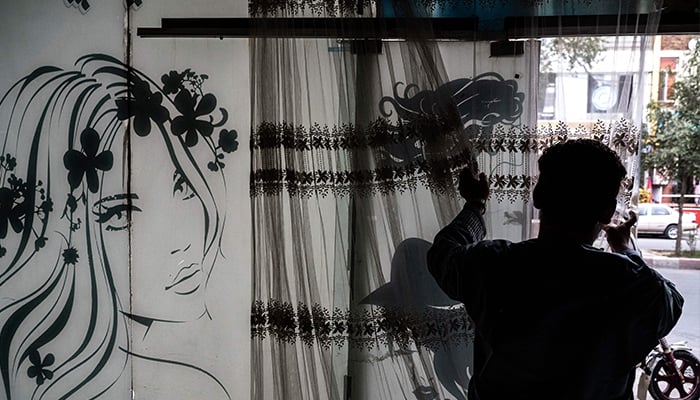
pixel 554 319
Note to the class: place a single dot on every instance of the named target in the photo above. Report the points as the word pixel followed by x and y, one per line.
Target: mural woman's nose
pixel 181 249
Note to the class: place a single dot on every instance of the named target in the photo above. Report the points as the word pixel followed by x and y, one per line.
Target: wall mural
pixel 485 100
pixel 485 105
pixel 412 290
pixel 67 205
pixel 410 121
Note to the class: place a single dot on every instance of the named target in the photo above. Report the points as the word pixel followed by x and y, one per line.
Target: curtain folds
pixel 356 146
pixel 340 182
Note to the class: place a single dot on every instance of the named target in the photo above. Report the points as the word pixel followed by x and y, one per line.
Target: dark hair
pixel 61 292
pixel 583 172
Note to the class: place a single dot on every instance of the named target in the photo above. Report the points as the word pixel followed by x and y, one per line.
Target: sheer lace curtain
pixel 301 239
pixel 603 97
pixel 355 148
pixel 337 186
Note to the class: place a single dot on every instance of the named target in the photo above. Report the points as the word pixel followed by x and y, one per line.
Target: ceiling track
pixel 434 28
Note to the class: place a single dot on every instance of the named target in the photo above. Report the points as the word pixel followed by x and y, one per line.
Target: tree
pixel 582 51
pixel 675 132
pixel 576 53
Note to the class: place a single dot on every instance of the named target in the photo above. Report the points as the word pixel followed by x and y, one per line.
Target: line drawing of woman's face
pixel 170 263
pixel 103 221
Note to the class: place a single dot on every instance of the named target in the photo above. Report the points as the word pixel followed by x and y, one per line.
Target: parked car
pixel 660 219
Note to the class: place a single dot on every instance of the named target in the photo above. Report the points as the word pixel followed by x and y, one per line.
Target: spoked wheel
pixel 667 385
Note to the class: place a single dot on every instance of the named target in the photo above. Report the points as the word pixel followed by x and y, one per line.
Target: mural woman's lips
pixel 186 281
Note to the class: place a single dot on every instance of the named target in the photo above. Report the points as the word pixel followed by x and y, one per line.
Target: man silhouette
pixel 555 317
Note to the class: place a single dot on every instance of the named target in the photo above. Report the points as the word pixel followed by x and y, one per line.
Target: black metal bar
pixel 573 25
pixel 600 25
pixel 437 28
pixel 350 28
pixel 679 23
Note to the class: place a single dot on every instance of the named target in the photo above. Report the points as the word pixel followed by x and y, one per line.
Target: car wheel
pixel 671 231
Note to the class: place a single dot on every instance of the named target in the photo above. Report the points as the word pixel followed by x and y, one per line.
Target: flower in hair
pixel 87 162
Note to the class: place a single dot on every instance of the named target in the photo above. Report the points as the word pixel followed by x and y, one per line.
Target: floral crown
pixel 195 122
pixel 24 202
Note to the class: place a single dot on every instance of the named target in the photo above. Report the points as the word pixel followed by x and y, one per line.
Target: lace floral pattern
pixel 428 328
pixel 381 132
pixel 403 161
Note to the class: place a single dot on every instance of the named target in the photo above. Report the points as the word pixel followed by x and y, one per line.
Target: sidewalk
pixel 656 260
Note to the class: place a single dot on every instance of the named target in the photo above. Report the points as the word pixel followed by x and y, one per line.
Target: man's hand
pixel 619 235
pixel 473 189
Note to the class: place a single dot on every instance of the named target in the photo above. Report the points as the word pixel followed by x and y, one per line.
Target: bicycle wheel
pixel 667 385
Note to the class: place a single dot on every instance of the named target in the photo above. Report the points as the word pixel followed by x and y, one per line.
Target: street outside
pixel 687 282
pixel 688 328
pixel 650 243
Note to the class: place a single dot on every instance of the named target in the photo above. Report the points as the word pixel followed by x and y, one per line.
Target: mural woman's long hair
pixel 64 155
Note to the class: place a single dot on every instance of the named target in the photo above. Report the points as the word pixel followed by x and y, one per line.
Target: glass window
pixel 659 211
pixel 546 96
pixel 667 75
pixel 608 93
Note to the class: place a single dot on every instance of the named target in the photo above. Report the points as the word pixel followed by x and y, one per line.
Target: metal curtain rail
pixel 468 28
pixel 303 27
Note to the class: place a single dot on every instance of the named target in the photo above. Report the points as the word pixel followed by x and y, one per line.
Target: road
pixel 654 243
pixel 688 327
pixel 688 283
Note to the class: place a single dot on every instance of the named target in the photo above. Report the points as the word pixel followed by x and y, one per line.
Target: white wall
pixel 218 343
pixel 86 300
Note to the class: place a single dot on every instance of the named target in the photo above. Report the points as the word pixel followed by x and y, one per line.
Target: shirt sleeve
pixel 661 299
pixel 655 300
pixel 451 259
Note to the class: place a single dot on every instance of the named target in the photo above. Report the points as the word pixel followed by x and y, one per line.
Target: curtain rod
pixel 436 28
pixel 344 28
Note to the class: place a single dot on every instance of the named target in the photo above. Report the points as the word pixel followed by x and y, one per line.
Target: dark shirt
pixel 554 319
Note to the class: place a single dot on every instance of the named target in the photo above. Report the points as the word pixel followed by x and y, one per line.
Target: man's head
pixel 579 181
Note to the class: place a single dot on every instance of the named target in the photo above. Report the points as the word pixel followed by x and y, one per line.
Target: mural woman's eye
pixel 181 187
pixel 114 211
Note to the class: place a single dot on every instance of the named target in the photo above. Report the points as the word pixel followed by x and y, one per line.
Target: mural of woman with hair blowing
pixel 66 211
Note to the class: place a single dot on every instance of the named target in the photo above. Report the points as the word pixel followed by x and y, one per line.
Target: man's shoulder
pixel 494 245
pixel 573 253
pixel 491 253
pixel 623 266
